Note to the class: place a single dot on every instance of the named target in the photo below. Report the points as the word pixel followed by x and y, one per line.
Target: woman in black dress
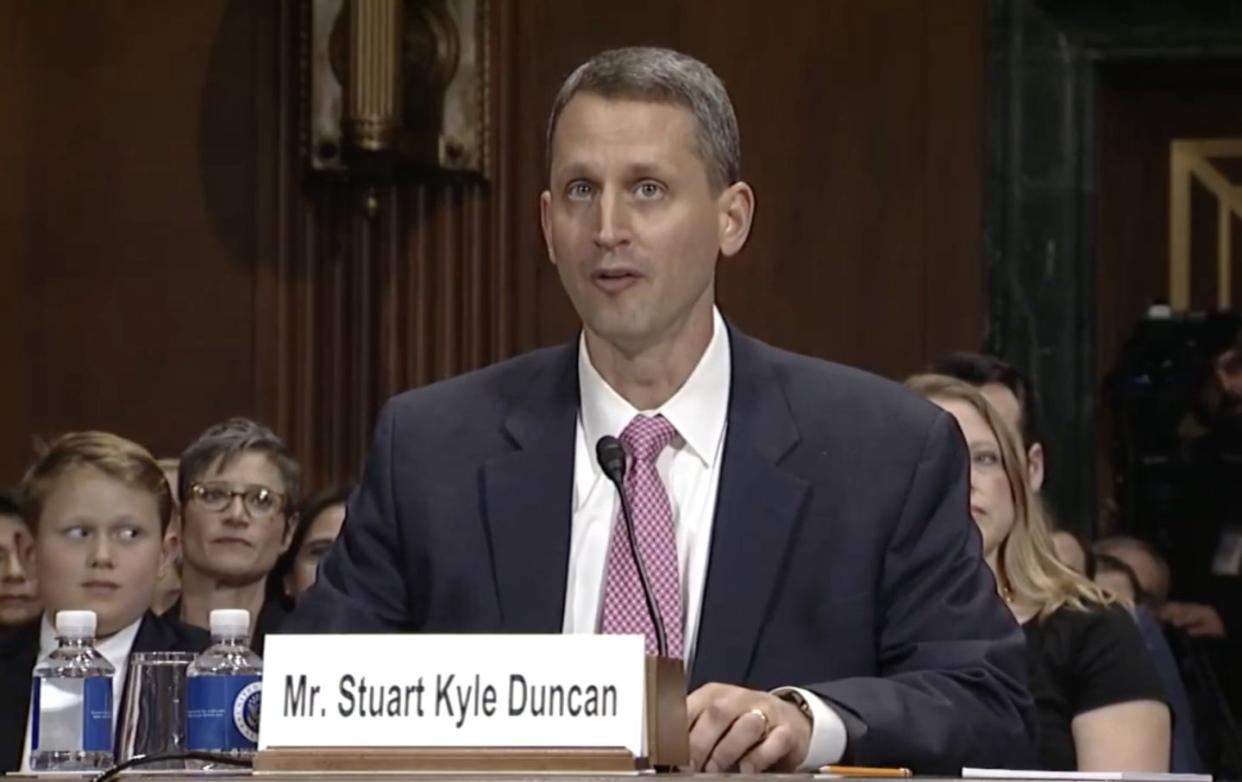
pixel 1101 706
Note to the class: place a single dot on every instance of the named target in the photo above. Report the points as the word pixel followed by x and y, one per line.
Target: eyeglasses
pixel 260 502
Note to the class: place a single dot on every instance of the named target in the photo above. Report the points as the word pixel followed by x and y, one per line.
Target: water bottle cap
pixel 230 623
pixel 75 624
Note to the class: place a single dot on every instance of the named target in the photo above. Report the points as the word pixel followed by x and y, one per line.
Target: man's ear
pixel 545 222
pixel 737 211
pixel 1035 466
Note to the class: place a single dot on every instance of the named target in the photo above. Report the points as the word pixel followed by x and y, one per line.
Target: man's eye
pixel 129 533
pixel 649 190
pixel 578 191
pixel 77 533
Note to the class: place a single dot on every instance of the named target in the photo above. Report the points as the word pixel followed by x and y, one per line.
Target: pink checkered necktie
pixel 625 610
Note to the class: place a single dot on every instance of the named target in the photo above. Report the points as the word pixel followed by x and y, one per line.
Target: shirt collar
pixel 115 648
pixel 697 410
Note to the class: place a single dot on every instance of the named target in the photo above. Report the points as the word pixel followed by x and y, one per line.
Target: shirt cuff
pixel 827 744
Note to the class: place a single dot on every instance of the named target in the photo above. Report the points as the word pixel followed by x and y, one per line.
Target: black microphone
pixel 611 457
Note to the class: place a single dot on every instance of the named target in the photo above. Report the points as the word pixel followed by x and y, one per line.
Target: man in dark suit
pixel 99 508
pixel 806 525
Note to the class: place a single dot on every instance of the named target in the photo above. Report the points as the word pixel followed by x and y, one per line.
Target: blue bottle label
pixel 222 712
pixel 97 714
pixel 70 715
pixel 36 689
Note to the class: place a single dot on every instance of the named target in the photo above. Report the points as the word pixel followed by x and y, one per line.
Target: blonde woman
pixel 1100 703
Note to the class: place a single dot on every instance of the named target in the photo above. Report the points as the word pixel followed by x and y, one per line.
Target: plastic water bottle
pixel 223 689
pixel 71 701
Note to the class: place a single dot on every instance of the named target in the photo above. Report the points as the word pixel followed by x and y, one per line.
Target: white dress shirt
pixel 690 470
pixel 115 649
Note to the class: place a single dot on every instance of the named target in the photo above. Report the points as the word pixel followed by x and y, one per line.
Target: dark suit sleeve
pixel 361 587
pixel 951 689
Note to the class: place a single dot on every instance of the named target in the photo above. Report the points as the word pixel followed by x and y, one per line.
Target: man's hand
pixel 726 733
pixel 1199 621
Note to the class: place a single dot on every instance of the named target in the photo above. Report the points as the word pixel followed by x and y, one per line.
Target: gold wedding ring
pixel 766 724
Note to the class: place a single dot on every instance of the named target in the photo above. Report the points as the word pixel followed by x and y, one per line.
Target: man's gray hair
pixel 664 76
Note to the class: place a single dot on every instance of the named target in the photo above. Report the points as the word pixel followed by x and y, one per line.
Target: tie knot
pixel 644 438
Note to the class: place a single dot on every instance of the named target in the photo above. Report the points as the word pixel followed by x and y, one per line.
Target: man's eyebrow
pixel 571 171
pixel 646 169
pixel 582 170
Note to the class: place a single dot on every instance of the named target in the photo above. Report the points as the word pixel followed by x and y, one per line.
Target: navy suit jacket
pixel 843 557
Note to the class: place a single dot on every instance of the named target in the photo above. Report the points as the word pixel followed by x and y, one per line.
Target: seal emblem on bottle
pixel 246 711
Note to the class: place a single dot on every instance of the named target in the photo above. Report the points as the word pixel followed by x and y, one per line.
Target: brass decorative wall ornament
pixel 1201 160
pixel 398 82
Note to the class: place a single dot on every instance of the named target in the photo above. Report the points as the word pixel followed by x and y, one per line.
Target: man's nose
pixel 612 220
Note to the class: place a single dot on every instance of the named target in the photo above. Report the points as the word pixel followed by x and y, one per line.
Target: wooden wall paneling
pixel 134 247
pixel 222 279
pixel 499 258
pixel 520 161
pixel 276 292
pixel 16 390
pixel 401 282
pixel 952 177
pixel 391 345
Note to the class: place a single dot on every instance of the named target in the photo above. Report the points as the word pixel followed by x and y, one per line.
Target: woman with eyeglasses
pixel 1099 700
pixel 238 488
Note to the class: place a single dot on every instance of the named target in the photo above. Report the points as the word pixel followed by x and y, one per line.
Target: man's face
pixel 1118 583
pixel 239 543
pixel 632 222
pixel 19 598
pixel 1147 571
pixel 1007 406
pixel 99 547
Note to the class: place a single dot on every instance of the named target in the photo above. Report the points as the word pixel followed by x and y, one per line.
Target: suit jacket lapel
pixel 757 509
pixel 528 497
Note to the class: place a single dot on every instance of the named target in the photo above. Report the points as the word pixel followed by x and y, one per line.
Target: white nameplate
pixel 454 691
